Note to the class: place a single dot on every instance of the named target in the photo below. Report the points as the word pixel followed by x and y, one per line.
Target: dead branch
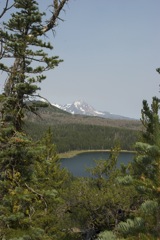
pixel 6 8
pixel 1 50
pixel 57 8
pixel 38 194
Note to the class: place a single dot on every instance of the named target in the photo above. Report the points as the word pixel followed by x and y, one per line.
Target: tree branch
pixel 38 194
pixel 6 8
pixel 57 8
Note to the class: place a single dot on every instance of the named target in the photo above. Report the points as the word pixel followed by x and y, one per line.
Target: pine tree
pixel 25 46
pixel 143 220
pixel 23 197
pixel 145 176
pixel 17 167
pixel 50 181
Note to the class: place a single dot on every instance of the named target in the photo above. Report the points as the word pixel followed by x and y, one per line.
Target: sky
pixel 111 49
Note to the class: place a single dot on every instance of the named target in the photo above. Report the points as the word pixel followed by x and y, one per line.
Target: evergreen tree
pixel 50 181
pixel 23 44
pixel 18 156
pixel 24 199
pixel 145 176
pixel 143 219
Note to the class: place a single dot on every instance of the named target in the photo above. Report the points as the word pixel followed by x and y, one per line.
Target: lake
pixel 77 165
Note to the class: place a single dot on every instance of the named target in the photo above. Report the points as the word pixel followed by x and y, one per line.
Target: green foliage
pixel 125 180
pixel 149 207
pixel 150 121
pixel 106 168
pixel 22 42
pixel 16 168
pixel 145 176
pixel 147 164
pixel 107 235
pixel 39 199
pixel 131 227
pixel 31 178
pixel 31 186
pixel 69 137
pixel 97 204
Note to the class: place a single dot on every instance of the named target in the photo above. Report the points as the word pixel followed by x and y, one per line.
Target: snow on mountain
pixel 80 107
pixel 83 108
pixel 57 105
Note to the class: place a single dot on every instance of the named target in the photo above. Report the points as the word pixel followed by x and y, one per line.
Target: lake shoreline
pixel 76 152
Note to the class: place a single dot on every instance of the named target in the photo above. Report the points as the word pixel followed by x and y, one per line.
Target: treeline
pixel 69 137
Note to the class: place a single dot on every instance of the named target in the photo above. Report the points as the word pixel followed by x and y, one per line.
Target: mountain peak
pixel 82 108
pixel 78 102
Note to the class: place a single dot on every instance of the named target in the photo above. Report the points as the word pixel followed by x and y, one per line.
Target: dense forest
pixel 69 137
pixel 39 200
pixel 77 132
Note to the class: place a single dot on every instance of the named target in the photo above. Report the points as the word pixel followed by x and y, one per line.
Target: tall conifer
pixel 145 176
pixel 25 49
pixel 22 196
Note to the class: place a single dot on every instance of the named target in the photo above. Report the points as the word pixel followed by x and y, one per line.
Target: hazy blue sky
pixel 111 49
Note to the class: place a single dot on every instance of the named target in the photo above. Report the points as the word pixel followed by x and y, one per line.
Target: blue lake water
pixel 78 164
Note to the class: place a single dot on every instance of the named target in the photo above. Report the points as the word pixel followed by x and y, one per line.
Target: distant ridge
pixel 82 108
pixel 51 115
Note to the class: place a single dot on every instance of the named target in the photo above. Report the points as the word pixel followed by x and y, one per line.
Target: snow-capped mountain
pixel 83 108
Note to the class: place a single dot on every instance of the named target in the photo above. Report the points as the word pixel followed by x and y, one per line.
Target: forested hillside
pixel 76 132
pixel 52 115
